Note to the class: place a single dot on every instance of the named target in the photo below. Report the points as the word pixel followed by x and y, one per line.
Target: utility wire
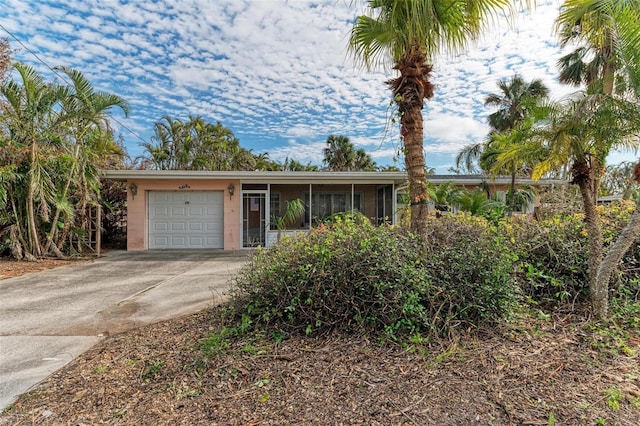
pixel 63 78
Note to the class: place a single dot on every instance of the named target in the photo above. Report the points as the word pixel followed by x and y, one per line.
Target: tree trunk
pixel 409 92
pixel 627 236
pixel 414 161
pixel 512 198
pixel 32 232
pixel 54 223
pixel 599 294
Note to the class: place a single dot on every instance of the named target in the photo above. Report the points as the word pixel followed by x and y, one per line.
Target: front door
pixel 254 218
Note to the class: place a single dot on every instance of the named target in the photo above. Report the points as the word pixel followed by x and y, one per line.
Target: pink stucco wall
pixel 137 217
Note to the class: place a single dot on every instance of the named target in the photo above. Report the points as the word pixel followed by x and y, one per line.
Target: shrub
pixel 353 276
pixel 552 266
pixel 347 276
pixel 553 262
pixel 472 264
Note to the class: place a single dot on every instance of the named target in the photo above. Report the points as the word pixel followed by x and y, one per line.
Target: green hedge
pixel 553 263
pixel 353 276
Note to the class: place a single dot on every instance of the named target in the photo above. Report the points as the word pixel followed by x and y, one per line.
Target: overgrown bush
pixel 353 276
pixel 472 263
pixel 553 262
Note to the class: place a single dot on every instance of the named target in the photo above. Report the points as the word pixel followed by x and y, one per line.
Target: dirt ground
pixel 13 268
pixel 557 370
pixel 545 372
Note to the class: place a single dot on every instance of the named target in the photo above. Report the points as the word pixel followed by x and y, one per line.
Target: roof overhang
pixel 263 177
pixel 380 178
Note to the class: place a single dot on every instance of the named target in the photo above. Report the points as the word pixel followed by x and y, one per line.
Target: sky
pixel 277 73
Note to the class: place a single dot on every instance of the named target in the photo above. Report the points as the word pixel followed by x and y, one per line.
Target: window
pixel 324 204
pixel 274 209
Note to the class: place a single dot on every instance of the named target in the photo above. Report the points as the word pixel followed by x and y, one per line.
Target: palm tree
pixel 442 195
pixel 291 165
pixel 408 35
pixel 607 57
pixel 607 62
pixel 339 154
pixel 30 119
pixel 515 102
pixel 195 144
pixel 627 236
pixel 475 202
pixel 84 113
pixel 576 133
pixel 617 180
pixel 363 161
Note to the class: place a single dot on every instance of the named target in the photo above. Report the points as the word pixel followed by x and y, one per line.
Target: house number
pixel 185 186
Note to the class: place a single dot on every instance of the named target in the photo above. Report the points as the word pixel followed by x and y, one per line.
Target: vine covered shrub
pixel 344 276
pixel 553 262
pixel 473 265
pixel 353 276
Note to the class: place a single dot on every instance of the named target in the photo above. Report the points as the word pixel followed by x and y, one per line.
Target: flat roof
pixel 317 177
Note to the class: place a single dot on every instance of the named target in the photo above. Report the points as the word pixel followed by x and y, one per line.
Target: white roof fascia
pixel 320 177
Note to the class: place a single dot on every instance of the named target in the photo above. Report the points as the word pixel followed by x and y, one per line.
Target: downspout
pixel 352 200
pixel 310 204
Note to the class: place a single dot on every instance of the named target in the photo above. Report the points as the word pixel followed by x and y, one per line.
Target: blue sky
pixel 275 72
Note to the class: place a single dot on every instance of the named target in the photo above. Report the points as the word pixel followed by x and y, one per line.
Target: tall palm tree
pixel 84 115
pixel 576 133
pixel 195 144
pixel 30 119
pixel 607 56
pixel 515 101
pixel 339 154
pixel 607 62
pixel 408 35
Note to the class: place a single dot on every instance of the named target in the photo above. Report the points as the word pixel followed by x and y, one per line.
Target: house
pixel 170 209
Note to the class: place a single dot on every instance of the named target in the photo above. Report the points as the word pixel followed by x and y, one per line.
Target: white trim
pixel 267 217
pixel 317 177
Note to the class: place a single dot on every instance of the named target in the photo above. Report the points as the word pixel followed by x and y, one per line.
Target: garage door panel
pixel 178 226
pixel 160 226
pixel 196 226
pixel 192 219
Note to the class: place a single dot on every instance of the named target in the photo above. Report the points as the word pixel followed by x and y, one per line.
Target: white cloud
pixel 276 72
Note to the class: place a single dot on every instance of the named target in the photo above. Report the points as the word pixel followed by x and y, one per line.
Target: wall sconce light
pixel 134 190
pixel 231 190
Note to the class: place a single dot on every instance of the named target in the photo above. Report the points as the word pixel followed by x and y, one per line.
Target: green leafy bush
pixel 353 276
pixel 472 264
pixel 552 253
pixel 553 262
pixel 347 276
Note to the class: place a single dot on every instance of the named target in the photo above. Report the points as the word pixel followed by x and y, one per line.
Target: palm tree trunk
pixel 409 91
pixel 32 234
pixel 627 236
pixel 512 197
pixel 56 216
pixel 414 160
pixel 599 294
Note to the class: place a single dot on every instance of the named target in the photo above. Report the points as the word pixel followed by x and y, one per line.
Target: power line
pixel 63 78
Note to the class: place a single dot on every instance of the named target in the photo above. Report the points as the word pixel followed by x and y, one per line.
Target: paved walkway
pixel 48 318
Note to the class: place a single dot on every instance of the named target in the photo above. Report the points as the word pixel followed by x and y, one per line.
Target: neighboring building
pixel 233 210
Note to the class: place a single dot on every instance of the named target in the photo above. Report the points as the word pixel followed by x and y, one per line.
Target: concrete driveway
pixel 48 318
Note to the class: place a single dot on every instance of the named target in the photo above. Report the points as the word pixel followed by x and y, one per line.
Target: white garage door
pixel 186 219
